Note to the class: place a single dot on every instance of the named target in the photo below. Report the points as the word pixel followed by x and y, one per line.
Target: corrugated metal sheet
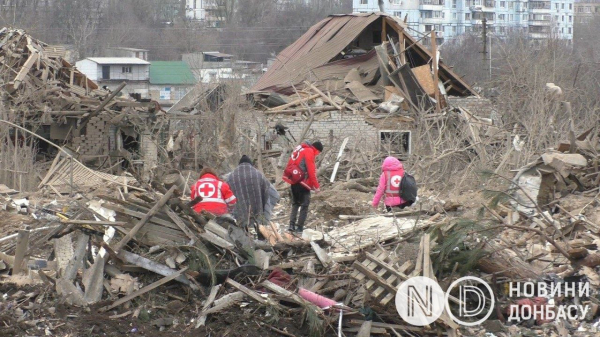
pixel 321 43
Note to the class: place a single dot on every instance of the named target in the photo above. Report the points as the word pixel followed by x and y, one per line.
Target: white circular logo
pixel 295 171
pixel 396 181
pixel 206 190
pixel 472 301
pixel 420 301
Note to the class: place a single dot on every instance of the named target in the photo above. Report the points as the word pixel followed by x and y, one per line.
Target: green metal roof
pixel 171 72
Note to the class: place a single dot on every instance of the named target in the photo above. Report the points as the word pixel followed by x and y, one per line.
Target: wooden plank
pixel 386 266
pixel 22 246
pixel 177 220
pixel 150 265
pixel 383 254
pixel 250 293
pixel 372 276
pixel 325 97
pixel 322 255
pixel 145 219
pixel 215 228
pixel 144 290
pixel 225 302
pixel 296 102
pixel 365 329
pixel 216 240
pixel 209 301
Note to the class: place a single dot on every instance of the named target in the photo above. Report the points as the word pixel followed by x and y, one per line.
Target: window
pixel 454 15
pixel 511 5
pixel 467 16
pixel 453 3
pixel 428 28
pixel 398 14
pixel 395 141
pixel 563 6
pixel 570 30
pixel 397 2
pixel 570 18
pixel 503 4
pixel 556 6
pixel 126 70
pixel 364 2
pixel 571 6
pixel 454 29
pixel 563 18
pixel 501 17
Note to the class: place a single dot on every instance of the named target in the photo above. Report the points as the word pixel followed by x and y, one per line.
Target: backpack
pixel 408 189
pixel 293 174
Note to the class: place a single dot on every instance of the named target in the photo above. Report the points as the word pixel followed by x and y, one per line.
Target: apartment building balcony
pixel 540 7
pixel 489 6
pixel 540 23
pixel 431 5
pixel 539 35
pixel 432 21
pixel 479 22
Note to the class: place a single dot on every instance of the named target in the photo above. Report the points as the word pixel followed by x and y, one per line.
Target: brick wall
pixel 481 107
pixel 337 126
pixel 98 140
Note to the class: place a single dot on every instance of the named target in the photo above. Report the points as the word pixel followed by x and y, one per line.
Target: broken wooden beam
pixel 22 246
pixel 145 219
pixel 143 290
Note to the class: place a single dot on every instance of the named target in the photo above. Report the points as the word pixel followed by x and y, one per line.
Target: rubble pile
pixel 44 93
pixel 100 252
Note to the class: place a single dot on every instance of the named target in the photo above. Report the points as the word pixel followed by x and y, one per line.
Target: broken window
pixel 126 69
pixel 395 142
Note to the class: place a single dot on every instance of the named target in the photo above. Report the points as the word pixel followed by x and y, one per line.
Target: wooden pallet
pixel 381 275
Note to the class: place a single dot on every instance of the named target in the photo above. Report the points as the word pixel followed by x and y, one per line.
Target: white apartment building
pixel 209 12
pixel 540 19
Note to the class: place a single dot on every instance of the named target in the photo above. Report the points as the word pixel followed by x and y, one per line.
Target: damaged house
pixel 360 76
pixel 55 108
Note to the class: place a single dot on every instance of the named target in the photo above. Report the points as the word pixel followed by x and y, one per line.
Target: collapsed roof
pixel 331 48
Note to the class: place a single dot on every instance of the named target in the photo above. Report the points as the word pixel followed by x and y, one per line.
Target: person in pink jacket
pixel 392 172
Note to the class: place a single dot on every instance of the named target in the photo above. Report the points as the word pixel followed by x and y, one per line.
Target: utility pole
pixel 484 37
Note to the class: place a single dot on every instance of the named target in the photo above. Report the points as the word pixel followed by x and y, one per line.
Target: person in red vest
pixel 302 159
pixel 392 172
pixel 216 194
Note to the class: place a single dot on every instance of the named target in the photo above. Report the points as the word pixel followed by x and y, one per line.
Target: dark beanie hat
pixel 317 145
pixel 245 159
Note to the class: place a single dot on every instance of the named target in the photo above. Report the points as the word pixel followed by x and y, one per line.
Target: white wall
pixel 88 68
pixel 139 72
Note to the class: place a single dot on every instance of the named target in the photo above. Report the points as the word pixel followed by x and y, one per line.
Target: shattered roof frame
pixel 324 41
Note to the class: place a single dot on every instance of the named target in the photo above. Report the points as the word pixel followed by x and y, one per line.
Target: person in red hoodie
pixel 303 157
pixel 392 172
pixel 216 194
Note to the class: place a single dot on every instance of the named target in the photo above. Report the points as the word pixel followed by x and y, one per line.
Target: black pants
pixel 390 208
pixel 300 200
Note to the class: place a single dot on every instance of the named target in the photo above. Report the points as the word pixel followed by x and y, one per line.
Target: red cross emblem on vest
pixel 206 190
pixel 396 181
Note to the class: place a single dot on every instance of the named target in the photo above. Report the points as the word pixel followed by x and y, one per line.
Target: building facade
pixel 452 18
pixel 209 12
pixel 170 81
pixel 110 72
